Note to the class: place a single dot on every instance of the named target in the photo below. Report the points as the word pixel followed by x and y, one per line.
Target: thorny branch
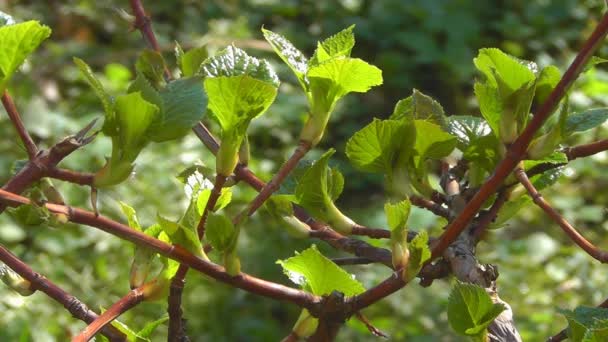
pixel 13 114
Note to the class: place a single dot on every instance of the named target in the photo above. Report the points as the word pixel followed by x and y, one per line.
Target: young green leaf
pixel 397 214
pixel 507 92
pixel 419 253
pixel 337 77
pixel 547 80
pixel 375 147
pixel 131 215
pixel 142 259
pixel 182 235
pixel 18 41
pixel 294 58
pixel 235 62
pixel 420 106
pixel 338 45
pixel 191 61
pixel 109 125
pixel 149 328
pixel 319 275
pixel 220 232
pixel 471 310
pixel 152 65
pixel 548 142
pixel 15 282
pixel 317 190
pixel 432 142
pixel 281 209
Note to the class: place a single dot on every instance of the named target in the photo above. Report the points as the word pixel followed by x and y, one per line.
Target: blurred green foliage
pixel 428 45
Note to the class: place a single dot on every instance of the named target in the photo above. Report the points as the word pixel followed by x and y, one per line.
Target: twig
pixel 514 154
pixel 375 331
pixel 78 309
pixel 352 261
pixel 488 217
pixel 127 302
pixel 75 177
pixel 429 205
pixel 45 160
pixel 586 149
pixel 13 114
pixel 572 233
pixel 175 252
pixel 375 233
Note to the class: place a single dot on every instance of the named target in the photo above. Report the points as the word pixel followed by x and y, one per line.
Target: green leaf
pixel 547 80
pixel 504 71
pixel 586 120
pixel 334 78
pixel 133 118
pixel 220 232
pixel 312 190
pixel 593 61
pixel 584 320
pixel 397 214
pixel 294 58
pixel 131 215
pixel 507 92
pixel 338 45
pixel 431 141
pixel 419 254
pixel 509 210
pixel 235 62
pixel 319 275
pixel 18 41
pixel 236 100
pixel 183 105
pixel 152 65
pixel 191 61
pixel 375 147
pixel 142 259
pixel 467 129
pixel 421 107
pixel 471 310
pixel 109 125
pixel 181 235
pixel 149 328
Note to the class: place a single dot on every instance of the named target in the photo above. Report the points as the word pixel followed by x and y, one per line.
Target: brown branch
pixel 127 302
pixel 352 261
pixel 13 114
pixel 45 160
pixel 488 217
pixel 572 233
pixel 586 149
pixel 243 281
pixel 39 283
pixel 429 205
pixel 144 25
pixel 375 233
pixel 513 155
pixel 75 177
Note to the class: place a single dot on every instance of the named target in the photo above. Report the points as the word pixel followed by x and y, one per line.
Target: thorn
pixel 94 201
pixel 80 135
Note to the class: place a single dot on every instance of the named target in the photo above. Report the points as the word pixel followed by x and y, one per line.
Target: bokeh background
pixel 428 45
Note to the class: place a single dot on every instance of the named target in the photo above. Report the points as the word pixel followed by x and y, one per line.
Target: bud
pixel 306 325
pixel 16 282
